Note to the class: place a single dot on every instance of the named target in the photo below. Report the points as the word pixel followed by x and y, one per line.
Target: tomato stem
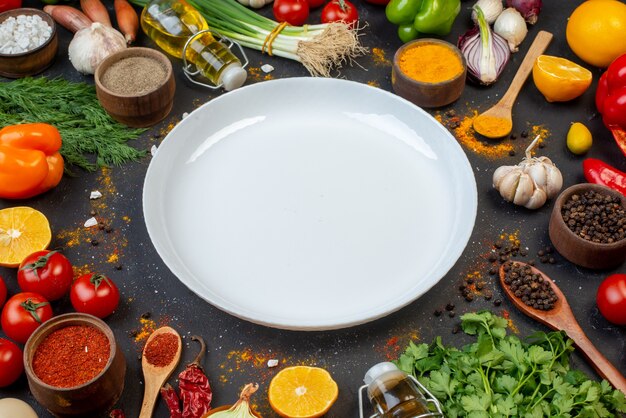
pixel 342 4
pixel 41 262
pixel 31 307
pixel 96 279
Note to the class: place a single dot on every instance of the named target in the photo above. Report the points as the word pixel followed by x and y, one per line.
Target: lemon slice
pixel 23 231
pixel 560 80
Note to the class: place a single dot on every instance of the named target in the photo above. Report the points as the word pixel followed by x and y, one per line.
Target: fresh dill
pixel 87 130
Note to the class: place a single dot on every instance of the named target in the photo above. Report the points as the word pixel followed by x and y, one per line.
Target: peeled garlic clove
pixel 499 174
pixel 509 184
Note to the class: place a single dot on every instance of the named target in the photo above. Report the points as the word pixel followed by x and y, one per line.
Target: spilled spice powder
pixel 373 83
pixel 148 326
pixel 161 350
pixel 71 356
pixel 379 56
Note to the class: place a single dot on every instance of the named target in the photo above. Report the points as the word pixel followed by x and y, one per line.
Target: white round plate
pixel 309 203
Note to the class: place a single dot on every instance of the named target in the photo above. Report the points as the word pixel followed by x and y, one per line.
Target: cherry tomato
pixel 11 363
pixel 611 298
pixel 340 11
pixel 48 273
pixel 94 294
pixel 294 12
pixel 3 293
pixel 315 3
pixel 23 313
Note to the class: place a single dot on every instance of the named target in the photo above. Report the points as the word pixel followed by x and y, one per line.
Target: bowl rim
pixel 136 51
pixel 581 187
pixel 416 42
pixel 31 11
pixel 64 321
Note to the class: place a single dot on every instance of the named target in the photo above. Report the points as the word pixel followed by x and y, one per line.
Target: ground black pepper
pixel 134 76
pixel 595 217
pixel 530 287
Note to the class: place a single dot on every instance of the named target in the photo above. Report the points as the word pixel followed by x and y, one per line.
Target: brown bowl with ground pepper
pixel 429 72
pixel 136 86
pixel 74 366
pixel 588 226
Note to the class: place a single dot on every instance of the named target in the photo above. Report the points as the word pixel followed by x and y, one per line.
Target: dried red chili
pixel 161 350
pixel 71 356
pixel 195 390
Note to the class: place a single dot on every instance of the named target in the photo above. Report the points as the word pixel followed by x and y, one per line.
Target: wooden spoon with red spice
pixel 161 355
pixel 561 318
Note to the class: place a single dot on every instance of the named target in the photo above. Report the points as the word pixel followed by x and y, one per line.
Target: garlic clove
pixel 554 182
pixel 537 171
pixel 509 184
pixel 525 189
pixel 499 174
pixel 537 200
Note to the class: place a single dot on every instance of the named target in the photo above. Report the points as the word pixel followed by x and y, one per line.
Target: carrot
pixel 69 17
pixel 127 20
pixel 96 11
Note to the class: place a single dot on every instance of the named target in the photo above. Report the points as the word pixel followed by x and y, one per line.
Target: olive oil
pixel 394 394
pixel 171 24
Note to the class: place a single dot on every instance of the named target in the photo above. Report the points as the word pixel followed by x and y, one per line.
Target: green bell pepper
pixel 407 32
pixel 401 12
pixel 437 16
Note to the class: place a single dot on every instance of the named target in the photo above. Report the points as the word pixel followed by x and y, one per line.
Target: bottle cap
pixel 378 370
pixel 233 76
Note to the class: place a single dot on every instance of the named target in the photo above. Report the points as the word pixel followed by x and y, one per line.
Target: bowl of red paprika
pixel 74 365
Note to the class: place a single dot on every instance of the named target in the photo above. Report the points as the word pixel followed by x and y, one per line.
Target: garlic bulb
pixel 490 8
pixel 531 182
pixel 512 27
pixel 91 45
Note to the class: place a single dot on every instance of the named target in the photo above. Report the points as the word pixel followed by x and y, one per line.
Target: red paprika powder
pixel 71 356
pixel 161 350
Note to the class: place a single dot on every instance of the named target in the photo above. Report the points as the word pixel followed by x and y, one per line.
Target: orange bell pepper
pixel 30 162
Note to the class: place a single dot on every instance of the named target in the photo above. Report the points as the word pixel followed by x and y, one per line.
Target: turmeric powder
pixel 430 63
pixel 492 126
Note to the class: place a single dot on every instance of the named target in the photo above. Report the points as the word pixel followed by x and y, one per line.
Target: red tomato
pixel 94 294
pixel 48 273
pixel 23 313
pixel 294 12
pixel 340 11
pixel 611 298
pixel 11 363
pixel 3 293
pixel 315 3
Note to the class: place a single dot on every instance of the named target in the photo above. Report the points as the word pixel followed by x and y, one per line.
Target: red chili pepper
pixel 9 5
pixel 195 390
pixel 611 100
pixel 599 172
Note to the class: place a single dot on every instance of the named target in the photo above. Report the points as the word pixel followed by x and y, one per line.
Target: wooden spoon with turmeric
pixel 497 121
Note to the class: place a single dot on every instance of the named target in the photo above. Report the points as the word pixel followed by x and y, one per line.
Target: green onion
pixel 320 48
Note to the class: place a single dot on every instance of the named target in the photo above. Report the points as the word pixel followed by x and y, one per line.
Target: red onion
pixel 529 9
pixel 486 52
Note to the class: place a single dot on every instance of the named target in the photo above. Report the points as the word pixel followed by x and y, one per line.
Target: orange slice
pixel 23 231
pixel 302 392
pixel 560 80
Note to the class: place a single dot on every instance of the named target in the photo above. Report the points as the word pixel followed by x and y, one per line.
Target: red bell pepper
pixel 10 5
pixel 611 100
pixel 599 172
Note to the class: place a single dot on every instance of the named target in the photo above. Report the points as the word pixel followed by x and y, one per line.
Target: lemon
pixel 560 80
pixel 596 31
pixel 579 138
pixel 23 231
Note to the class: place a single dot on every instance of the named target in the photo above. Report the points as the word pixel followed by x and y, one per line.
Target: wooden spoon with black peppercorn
pixel 160 357
pixel 559 316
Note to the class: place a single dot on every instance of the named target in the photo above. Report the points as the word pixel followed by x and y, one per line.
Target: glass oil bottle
pixel 181 31
pixel 394 394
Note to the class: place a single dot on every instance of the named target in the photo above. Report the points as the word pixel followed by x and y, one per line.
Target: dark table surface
pixel 238 350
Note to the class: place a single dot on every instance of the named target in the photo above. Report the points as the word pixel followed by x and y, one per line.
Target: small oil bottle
pixel 179 29
pixel 394 394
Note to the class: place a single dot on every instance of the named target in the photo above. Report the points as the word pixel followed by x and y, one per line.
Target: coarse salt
pixel 153 150
pixel 272 363
pixel 23 33
pixel 266 68
pixel 91 222
pixel 95 195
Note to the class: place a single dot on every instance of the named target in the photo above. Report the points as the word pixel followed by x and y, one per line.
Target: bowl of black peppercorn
pixel 588 226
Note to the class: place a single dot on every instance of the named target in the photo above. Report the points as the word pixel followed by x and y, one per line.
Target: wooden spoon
pixel 561 318
pixel 155 376
pixel 501 111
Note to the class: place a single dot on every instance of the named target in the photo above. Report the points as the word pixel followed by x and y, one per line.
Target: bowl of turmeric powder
pixel 429 72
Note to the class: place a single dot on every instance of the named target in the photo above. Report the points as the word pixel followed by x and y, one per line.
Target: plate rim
pixel 284 323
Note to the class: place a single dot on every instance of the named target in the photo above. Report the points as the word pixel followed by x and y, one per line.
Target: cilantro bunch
pixel 502 376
